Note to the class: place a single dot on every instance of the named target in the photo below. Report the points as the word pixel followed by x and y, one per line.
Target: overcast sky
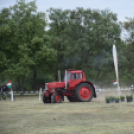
pixel 123 8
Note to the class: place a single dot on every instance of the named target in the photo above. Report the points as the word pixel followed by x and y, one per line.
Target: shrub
pixel 122 97
pixel 117 98
pixel 129 98
pixel 108 98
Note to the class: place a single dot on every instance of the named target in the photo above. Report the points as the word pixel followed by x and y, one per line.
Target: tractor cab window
pixel 67 77
pixel 81 76
pixel 74 76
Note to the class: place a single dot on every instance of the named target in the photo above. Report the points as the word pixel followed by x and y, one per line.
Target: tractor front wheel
pixel 84 92
pixel 56 97
pixel 46 99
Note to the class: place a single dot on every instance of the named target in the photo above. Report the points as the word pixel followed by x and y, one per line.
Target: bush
pixel 129 98
pixel 108 98
pixel 112 98
pixel 122 98
pixel 117 98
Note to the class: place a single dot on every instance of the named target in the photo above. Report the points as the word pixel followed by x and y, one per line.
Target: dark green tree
pixel 128 25
pixel 85 39
pixel 25 43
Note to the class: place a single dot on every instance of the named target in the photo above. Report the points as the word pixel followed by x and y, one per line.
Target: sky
pixel 123 8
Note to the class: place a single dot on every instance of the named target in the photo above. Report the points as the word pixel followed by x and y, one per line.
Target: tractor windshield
pixel 67 77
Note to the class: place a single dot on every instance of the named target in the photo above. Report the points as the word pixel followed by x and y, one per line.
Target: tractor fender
pixel 89 84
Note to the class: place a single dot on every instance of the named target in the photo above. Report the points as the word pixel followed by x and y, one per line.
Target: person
pixel 3 90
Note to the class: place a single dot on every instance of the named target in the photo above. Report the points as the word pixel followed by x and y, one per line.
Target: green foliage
pixel 112 98
pixel 25 47
pixel 108 98
pixel 79 39
pixel 117 98
pixel 84 38
pixel 129 49
pixel 122 97
pixel 129 97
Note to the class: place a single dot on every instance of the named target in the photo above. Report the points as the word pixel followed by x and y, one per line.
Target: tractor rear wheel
pixel 46 99
pixel 56 97
pixel 84 92
pixel 72 99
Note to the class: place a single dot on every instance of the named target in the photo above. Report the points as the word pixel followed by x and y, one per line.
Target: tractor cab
pixel 74 77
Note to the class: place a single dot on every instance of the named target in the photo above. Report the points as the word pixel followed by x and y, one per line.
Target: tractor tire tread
pixel 78 89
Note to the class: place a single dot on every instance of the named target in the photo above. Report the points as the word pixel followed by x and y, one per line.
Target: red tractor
pixel 74 86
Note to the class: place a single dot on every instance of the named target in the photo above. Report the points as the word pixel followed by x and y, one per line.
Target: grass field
pixel 28 115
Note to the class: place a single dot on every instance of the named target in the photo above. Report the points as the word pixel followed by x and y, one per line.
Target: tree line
pixel 33 48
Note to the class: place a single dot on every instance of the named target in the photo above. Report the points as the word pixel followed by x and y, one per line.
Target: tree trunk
pixel 19 84
pixel 22 85
pixel 34 80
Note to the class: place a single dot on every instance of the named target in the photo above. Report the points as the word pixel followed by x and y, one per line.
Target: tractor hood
pixel 55 85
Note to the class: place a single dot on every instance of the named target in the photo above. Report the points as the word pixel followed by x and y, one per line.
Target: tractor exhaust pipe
pixel 59 75
pixel 65 79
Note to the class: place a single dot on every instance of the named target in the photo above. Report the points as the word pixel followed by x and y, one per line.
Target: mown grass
pixel 28 115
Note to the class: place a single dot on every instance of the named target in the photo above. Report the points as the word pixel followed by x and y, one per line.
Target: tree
pixel 129 49
pixel 85 38
pixel 25 42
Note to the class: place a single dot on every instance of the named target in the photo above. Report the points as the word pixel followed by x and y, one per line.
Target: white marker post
pixel 9 85
pixel 116 67
pixel 11 94
pixel 40 93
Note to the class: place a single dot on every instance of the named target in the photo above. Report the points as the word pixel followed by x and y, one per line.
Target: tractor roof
pixel 71 69
pixel 74 71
